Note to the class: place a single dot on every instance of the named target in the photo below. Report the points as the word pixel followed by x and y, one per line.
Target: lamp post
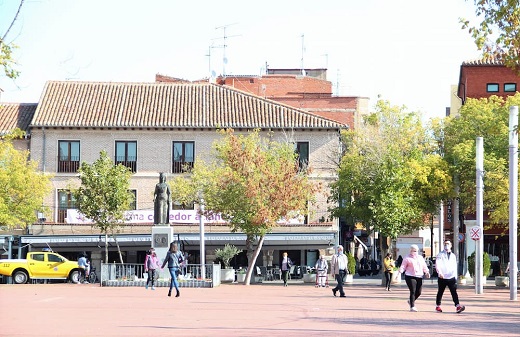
pixel 513 200
pixel 479 247
pixel 201 239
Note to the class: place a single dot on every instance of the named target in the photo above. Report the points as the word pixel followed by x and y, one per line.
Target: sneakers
pixel 153 288
pixel 438 308
pixel 146 286
pixel 414 309
pixel 334 292
pixel 460 308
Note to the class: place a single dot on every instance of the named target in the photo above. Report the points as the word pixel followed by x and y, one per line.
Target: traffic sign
pixel 475 233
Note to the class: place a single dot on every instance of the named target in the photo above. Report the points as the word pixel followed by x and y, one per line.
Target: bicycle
pixel 92 276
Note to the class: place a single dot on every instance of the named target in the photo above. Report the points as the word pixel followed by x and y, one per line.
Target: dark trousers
pixel 415 286
pixel 285 276
pixel 339 278
pixel 151 276
pixel 452 285
pixel 388 278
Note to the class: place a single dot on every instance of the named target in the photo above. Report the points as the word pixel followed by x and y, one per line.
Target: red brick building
pixel 484 78
pixel 310 92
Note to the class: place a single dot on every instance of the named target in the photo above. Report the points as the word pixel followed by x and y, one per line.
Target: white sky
pixel 407 51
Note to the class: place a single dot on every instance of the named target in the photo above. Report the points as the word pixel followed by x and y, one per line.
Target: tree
pixel 390 176
pixel 23 187
pixel 6 50
pixel 498 33
pixel 104 195
pixel 487 118
pixel 253 183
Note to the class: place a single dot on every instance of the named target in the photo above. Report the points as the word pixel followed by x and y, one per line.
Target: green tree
pixel 390 176
pixel 23 187
pixel 498 32
pixel 7 61
pixel 104 195
pixel 487 118
pixel 253 183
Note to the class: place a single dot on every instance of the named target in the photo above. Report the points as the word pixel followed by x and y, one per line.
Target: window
pixel 54 258
pixel 183 156
pixel 38 257
pixel 126 154
pixel 177 205
pixel 65 201
pixel 133 204
pixel 302 150
pixel 509 87
pixel 492 87
pixel 68 156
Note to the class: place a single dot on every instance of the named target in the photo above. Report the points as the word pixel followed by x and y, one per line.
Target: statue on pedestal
pixel 161 202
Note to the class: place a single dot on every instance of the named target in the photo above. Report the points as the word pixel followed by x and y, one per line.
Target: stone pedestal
pixel 162 236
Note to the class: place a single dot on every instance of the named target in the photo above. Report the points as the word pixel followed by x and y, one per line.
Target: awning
pixel 189 239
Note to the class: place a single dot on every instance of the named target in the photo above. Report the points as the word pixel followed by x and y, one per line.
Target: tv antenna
pixel 224 45
pixel 303 51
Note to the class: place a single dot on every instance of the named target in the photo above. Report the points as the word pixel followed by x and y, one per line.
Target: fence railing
pixel 133 274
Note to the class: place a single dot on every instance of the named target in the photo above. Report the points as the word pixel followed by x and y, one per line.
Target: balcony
pixel 181 166
pixel 68 166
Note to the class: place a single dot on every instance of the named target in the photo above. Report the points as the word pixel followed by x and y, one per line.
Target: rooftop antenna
pixel 337 82
pixel 224 45
pixel 303 51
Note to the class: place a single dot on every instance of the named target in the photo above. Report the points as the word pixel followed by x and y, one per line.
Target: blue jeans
pixel 173 282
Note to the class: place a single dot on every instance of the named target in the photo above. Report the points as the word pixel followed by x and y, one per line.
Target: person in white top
pixel 338 268
pixel 446 266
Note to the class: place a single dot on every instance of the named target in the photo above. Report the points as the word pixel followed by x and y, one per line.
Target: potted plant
pixel 241 275
pixel 486 265
pixel 351 267
pixel 227 274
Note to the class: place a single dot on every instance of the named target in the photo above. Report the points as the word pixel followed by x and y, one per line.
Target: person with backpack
pixel 151 262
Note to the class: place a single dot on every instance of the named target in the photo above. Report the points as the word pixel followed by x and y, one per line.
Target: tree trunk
pixel 118 249
pixel 106 247
pixel 252 260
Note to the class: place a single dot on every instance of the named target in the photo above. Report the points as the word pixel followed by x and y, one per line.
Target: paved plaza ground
pixel 266 309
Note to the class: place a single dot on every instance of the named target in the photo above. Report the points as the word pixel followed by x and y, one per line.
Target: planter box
pixel 349 278
pixel 309 278
pixel 502 281
pixel 241 277
pixel 227 275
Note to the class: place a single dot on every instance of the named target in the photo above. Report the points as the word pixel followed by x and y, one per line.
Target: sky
pixel 408 52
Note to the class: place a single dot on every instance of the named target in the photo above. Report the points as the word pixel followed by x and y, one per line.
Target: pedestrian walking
pixel 414 268
pixel 388 264
pixel 338 268
pixel 286 265
pixel 446 266
pixel 151 262
pixel 321 272
pixel 174 260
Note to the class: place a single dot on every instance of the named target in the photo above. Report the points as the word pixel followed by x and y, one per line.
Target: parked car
pixel 42 266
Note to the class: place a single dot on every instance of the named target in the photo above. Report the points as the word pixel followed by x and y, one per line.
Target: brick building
pixel 158 127
pixel 481 79
pixel 310 92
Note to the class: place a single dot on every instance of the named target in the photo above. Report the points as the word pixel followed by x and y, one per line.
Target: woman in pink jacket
pixel 151 262
pixel 414 268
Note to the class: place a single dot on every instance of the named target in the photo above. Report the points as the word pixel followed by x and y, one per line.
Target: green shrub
pixel 351 264
pixel 486 267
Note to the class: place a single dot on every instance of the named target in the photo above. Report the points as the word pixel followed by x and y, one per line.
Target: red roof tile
pixel 15 115
pixel 165 105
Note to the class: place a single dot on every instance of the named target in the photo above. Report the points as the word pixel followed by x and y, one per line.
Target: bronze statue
pixel 161 202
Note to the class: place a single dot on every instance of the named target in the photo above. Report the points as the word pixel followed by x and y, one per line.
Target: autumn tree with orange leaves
pixel 253 183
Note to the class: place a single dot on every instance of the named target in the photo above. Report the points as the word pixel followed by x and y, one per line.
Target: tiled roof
pixel 489 61
pixel 15 115
pixel 165 105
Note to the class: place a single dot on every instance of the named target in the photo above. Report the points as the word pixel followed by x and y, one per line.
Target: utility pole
pixel 513 201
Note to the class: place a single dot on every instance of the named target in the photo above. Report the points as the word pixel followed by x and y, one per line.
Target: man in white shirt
pixel 446 266
pixel 338 268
